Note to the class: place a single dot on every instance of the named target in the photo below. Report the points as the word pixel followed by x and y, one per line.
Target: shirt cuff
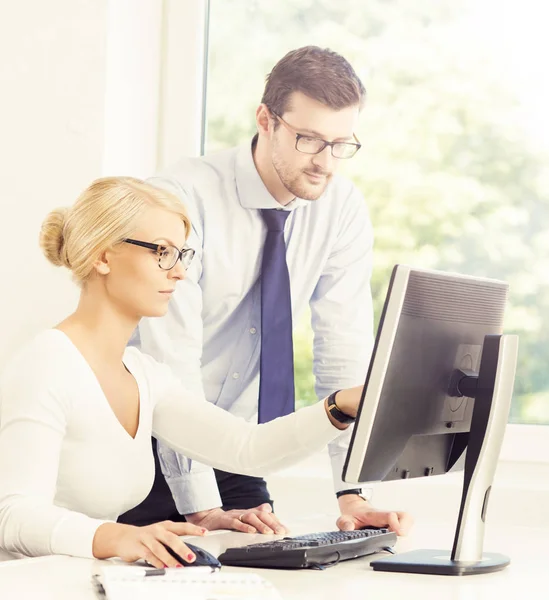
pixel 194 492
pixel 338 461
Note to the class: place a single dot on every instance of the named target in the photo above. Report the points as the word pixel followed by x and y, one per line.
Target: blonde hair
pixel 103 216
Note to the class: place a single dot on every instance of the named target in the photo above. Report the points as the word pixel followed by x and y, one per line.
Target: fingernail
pixel 165 566
pixel 203 530
pixel 178 566
pixel 190 557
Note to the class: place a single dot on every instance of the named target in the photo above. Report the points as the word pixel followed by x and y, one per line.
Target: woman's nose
pixel 178 271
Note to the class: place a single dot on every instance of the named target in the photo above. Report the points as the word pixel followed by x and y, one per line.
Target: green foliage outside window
pixel 452 178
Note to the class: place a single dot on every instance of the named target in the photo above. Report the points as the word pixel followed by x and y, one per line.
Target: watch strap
pixel 336 413
pixel 356 491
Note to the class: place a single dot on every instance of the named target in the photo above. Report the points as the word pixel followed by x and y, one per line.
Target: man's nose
pixel 324 159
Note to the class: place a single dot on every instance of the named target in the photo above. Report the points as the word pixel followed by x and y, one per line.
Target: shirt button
pixel 253 330
pixel 236 375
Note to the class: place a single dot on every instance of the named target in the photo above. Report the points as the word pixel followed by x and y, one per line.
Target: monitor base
pixel 438 562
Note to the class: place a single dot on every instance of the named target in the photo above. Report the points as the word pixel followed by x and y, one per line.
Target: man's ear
pixel 101 265
pixel 263 119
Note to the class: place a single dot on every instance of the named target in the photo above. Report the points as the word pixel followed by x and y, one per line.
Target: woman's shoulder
pixel 43 357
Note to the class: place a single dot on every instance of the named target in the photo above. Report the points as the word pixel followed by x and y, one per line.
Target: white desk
pixel 64 578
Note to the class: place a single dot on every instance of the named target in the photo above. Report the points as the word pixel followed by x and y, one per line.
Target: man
pixel 274 230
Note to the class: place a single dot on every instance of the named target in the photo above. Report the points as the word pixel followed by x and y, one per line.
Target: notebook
pixel 130 582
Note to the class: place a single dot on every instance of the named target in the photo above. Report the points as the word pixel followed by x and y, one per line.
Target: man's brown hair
pixel 319 73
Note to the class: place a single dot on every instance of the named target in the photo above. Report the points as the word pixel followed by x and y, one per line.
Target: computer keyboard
pixel 311 550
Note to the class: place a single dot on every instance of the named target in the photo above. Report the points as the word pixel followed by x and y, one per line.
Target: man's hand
pixel 357 513
pixel 251 520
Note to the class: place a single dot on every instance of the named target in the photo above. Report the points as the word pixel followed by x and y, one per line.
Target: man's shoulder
pixel 202 169
pixel 200 182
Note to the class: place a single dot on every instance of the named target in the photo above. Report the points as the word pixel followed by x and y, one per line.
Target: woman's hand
pixel 133 543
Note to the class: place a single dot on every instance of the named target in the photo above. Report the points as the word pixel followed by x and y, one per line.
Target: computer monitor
pixel 439 384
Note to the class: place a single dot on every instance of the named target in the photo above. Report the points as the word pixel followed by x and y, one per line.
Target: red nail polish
pixel 165 566
pixel 190 556
pixel 178 566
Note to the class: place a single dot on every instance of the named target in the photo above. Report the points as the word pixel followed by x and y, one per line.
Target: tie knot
pixel 274 218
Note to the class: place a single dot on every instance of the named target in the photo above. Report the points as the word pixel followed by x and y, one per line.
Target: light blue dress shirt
pixel 211 336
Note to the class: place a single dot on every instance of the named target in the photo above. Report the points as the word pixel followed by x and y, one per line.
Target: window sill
pixel 526 443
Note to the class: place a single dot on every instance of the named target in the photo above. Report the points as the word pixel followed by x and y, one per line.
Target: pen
pixel 152 572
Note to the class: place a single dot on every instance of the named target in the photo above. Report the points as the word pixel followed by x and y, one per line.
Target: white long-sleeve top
pixel 67 465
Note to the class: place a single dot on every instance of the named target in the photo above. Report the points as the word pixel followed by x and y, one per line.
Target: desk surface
pixel 65 578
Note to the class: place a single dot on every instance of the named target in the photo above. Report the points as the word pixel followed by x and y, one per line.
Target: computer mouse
pixel 203 558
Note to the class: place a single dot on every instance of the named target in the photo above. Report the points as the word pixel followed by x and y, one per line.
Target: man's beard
pixel 295 185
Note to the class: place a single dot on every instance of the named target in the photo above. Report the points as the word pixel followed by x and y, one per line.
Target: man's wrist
pixel 354 491
pixel 347 497
pixel 196 517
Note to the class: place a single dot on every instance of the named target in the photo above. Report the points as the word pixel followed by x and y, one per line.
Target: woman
pixel 78 407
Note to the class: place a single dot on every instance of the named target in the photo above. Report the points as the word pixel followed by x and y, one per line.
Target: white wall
pixel 69 69
pixel 87 88
pixel 52 85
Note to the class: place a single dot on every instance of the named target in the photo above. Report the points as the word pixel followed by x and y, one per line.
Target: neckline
pixel 102 393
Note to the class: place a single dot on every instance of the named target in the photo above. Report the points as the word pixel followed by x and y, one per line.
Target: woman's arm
pixel 33 424
pixel 213 436
pixel 33 421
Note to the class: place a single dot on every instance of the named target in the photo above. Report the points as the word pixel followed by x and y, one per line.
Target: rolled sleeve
pixel 338 454
pixel 192 484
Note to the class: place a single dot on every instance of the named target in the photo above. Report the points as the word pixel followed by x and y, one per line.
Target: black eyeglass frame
pixel 160 247
pixel 299 136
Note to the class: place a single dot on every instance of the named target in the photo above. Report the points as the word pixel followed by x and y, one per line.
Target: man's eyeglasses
pixel 313 145
pixel 167 255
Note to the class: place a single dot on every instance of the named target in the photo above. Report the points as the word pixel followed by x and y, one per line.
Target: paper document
pixel 195 583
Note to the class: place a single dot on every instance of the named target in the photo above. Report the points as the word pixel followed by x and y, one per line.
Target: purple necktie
pixel 276 371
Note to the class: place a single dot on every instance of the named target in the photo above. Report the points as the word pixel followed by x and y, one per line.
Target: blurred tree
pixel 451 179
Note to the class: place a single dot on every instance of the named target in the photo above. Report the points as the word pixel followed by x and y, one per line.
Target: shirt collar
pixel 252 192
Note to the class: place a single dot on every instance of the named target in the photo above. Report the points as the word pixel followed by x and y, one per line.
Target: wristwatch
pixel 355 491
pixel 337 414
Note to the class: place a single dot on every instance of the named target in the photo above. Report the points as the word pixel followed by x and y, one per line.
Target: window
pixel 455 134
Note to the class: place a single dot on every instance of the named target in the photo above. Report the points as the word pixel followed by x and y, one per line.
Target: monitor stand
pixel 492 390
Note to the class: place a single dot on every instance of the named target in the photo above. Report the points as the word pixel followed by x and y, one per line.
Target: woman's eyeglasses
pixel 167 255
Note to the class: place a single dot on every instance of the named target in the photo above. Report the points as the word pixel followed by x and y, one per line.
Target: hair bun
pixel 52 240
